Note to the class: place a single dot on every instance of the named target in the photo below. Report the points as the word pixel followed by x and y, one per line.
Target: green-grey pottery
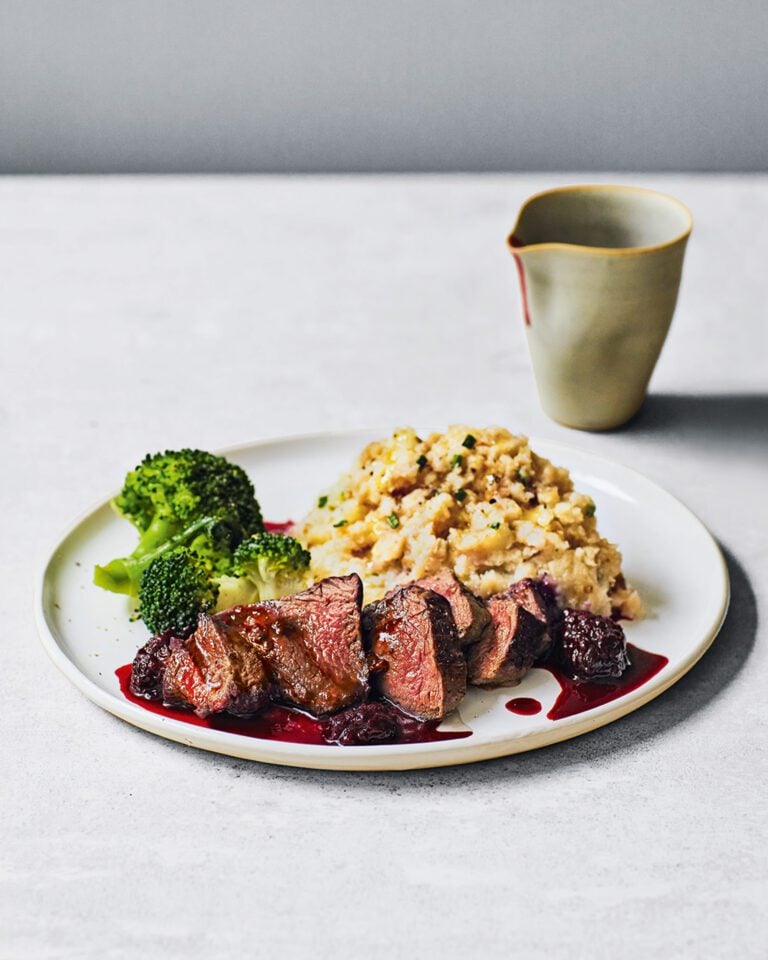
pixel 599 269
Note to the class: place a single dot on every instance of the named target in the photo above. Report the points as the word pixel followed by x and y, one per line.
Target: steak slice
pixel 508 648
pixel 469 613
pixel 412 631
pixel 215 669
pixel 305 650
pixel 530 597
pixel 310 644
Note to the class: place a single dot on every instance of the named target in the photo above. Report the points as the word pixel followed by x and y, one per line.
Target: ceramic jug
pixel 599 270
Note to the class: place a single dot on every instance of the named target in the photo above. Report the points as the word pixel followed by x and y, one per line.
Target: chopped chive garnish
pixel 523 476
pixel 457 461
pixel 341 523
pixel 322 501
pixel 461 495
pixel 589 510
pixel 495 526
pixel 469 442
pixel 422 461
pixel 393 520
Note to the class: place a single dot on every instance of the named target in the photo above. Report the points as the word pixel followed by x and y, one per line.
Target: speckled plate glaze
pixel 668 555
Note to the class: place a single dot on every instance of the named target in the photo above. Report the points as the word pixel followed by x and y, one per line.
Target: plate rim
pixel 394 756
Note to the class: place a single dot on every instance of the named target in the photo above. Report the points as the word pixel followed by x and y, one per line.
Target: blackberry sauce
pixel 523 706
pixel 293 726
pixel 576 696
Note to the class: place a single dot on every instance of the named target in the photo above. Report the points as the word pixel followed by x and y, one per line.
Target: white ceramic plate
pixel 668 555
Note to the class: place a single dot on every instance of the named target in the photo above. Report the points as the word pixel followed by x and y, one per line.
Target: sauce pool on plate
pixel 576 696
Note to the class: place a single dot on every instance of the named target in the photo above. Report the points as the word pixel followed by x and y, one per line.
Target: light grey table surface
pixel 139 313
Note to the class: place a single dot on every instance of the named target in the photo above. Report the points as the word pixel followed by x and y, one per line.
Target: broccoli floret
pixel 175 588
pixel 182 498
pixel 265 567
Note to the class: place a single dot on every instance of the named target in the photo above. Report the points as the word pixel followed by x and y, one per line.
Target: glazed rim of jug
pixel 514 243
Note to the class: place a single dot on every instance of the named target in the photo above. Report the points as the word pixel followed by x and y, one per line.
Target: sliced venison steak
pixel 215 670
pixel 412 631
pixel 311 644
pixel 530 597
pixel 305 650
pixel 469 613
pixel 508 647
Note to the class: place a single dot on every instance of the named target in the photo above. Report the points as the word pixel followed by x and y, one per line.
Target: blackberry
pixel 373 722
pixel 592 647
pixel 149 666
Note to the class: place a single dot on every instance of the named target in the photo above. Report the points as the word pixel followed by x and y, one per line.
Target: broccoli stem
pixel 123 575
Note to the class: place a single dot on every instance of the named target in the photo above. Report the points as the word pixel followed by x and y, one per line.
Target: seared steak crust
pixel 469 612
pixel 508 648
pixel 412 631
pixel 530 597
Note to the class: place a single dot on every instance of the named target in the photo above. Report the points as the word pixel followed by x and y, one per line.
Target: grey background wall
pixel 339 85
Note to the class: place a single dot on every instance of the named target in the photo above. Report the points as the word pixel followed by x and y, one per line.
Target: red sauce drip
pixel 283 527
pixel 576 696
pixel 517 242
pixel 282 723
pixel 425 731
pixel 523 706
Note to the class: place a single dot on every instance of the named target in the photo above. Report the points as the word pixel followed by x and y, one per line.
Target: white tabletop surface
pixel 139 313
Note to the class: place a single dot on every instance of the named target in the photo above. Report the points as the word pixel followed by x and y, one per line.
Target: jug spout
pixel 516 246
pixel 525 255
